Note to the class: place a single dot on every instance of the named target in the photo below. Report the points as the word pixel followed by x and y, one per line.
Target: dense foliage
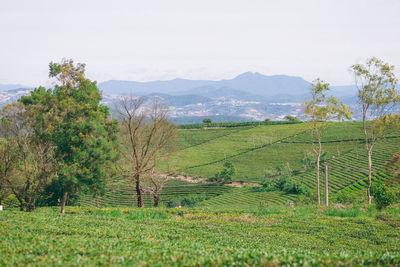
pixel 72 118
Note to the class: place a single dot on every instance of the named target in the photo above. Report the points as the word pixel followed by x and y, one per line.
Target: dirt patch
pixel 188 179
pixel 241 184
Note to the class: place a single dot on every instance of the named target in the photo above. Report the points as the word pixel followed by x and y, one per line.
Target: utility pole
pixel 326 186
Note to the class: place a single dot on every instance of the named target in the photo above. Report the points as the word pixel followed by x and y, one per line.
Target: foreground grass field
pixel 273 236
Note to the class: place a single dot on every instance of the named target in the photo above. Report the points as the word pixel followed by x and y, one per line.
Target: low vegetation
pixel 263 236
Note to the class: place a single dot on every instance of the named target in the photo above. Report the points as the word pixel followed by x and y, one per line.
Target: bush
pixel 206 120
pixel 345 198
pixel 174 203
pixel 383 197
pixel 188 201
pixel 291 118
pixel 283 183
pixel 227 172
pixel 267 119
pixel 294 187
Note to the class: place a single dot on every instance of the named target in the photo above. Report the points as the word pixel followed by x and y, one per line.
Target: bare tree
pixel 377 95
pixel 145 135
pixel 27 162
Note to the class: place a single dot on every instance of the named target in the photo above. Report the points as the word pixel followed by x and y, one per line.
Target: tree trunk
pixel 326 186
pixel 64 201
pixel 156 200
pixel 369 176
pixel 318 194
pixel 139 192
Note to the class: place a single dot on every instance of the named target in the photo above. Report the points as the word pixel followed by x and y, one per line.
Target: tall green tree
pixel 377 95
pixel 71 116
pixel 321 110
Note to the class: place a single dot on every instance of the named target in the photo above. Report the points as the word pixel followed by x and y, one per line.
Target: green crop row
pixel 269 236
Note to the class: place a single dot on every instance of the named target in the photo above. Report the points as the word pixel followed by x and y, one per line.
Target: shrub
pixel 206 120
pixel 291 118
pixel 345 198
pixel 227 172
pixel 383 197
pixel 188 201
pixel 283 183
pixel 294 187
pixel 173 203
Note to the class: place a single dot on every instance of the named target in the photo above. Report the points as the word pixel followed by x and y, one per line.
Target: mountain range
pixel 248 96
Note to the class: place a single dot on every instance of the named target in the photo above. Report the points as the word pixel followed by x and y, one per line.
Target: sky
pixel 196 39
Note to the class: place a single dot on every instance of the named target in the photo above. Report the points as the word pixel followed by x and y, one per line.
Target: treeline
pixel 233 124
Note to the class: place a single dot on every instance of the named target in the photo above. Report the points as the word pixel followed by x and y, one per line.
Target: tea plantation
pixel 257 151
pixel 233 223
pixel 278 236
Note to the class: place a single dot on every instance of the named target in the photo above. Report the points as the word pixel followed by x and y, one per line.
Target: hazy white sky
pixel 196 39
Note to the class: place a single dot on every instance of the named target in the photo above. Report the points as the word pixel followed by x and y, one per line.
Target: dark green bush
pixel 344 197
pixel 283 183
pixel 383 197
pixel 226 174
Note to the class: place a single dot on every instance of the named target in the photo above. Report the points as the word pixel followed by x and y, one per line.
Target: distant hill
pixel 249 82
pixel 226 92
pixel 7 87
pixel 181 100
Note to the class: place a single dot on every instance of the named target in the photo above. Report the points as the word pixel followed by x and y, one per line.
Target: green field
pixel 257 151
pixel 274 236
pixel 231 224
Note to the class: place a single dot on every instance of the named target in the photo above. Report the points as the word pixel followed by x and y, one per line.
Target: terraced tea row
pixel 126 196
pixel 247 198
pixel 351 167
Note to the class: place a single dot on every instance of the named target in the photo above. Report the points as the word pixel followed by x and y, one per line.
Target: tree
pixel 291 118
pixel 145 137
pixel 80 128
pixel 207 120
pixel 27 162
pixel 377 95
pixel 321 110
pixel 226 174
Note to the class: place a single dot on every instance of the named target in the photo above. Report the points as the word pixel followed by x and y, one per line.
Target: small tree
pixel 321 110
pixel 207 120
pixel 227 173
pixel 377 95
pixel 145 136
